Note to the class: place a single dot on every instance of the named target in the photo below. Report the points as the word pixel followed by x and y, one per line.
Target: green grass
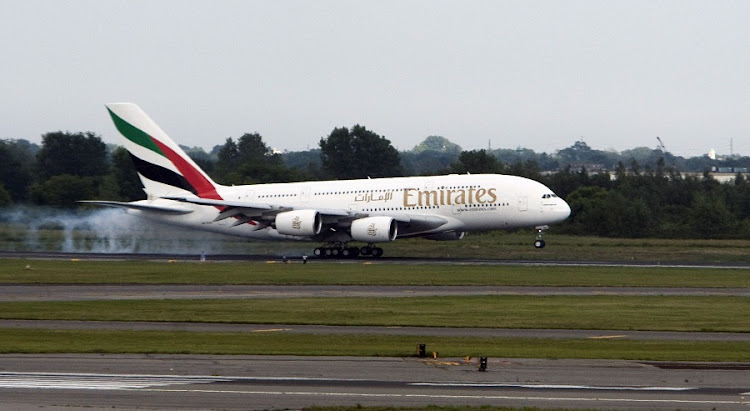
pixel 493 245
pixel 17 340
pixel 14 271
pixel 668 313
pixel 518 246
pixel 577 312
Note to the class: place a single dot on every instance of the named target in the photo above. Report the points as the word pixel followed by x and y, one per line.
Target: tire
pixel 539 244
pixel 377 252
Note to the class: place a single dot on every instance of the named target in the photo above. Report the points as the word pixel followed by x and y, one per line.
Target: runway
pixel 250 382
pixel 97 381
pixel 373 330
pixel 85 292
pixel 54 255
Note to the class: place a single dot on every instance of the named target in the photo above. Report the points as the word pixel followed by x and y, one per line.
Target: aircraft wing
pixel 139 206
pixel 246 211
pixel 411 223
pixel 221 203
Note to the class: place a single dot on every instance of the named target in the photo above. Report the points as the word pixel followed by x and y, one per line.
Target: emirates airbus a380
pixel 334 213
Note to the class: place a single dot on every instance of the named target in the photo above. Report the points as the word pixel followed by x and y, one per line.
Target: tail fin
pixel 164 169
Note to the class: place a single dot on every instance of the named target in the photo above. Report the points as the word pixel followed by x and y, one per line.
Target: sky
pixel 500 74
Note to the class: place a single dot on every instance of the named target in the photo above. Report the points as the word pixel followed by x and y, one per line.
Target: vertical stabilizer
pixel 163 167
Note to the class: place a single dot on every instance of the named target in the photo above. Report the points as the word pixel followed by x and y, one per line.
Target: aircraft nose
pixel 563 209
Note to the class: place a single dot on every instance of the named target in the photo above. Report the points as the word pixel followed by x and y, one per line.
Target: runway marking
pixel 551 386
pixel 271 330
pixel 605 337
pixel 96 381
pixel 446 396
pixel 151 383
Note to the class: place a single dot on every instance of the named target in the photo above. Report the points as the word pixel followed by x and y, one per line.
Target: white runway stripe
pixel 553 386
pixel 95 381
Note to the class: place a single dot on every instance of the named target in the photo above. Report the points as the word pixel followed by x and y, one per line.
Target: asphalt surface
pixel 371 330
pixel 83 292
pixel 383 260
pixel 256 383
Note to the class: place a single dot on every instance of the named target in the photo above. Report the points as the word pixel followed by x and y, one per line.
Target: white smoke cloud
pixel 109 230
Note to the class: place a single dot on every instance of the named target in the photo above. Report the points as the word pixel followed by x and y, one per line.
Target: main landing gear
pixel 539 243
pixel 342 251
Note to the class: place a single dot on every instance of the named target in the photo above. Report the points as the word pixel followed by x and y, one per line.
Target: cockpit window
pixel 549 196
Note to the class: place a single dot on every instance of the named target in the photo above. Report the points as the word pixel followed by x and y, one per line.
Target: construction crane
pixel 664 153
pixel 661 145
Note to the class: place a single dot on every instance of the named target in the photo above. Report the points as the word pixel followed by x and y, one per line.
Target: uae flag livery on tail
pixel 163 167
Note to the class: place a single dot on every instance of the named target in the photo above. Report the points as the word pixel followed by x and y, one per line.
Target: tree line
pixel 637 193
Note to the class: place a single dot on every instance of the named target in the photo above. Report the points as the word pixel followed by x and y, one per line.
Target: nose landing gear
pixel 539 242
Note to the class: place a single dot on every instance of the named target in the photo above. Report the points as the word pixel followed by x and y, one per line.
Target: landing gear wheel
pixel 319 252
pixel 350 252
pixel 539 243
pixel 377 252
pixel 335 252
pixel 366 250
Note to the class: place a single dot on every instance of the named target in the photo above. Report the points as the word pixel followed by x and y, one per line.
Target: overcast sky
pixel 534 74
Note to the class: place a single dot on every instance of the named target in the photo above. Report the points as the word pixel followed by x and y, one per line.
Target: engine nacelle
pixel 378 229
pixel 304 223
pixel 447 236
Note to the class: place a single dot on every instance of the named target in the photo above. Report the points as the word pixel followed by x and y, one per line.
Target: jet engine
pixel 304 223
pixel 447 236
pixel 378 229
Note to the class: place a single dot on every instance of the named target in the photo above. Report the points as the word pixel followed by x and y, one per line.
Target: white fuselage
pixel 467 202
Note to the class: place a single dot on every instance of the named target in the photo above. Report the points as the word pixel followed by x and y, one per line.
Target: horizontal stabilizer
pixel 140 207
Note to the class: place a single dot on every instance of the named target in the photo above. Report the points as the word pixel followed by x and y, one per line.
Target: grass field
pixel 119 235
pixel 321 273
pixel 611 312
pixel 666 313
pixel 180 342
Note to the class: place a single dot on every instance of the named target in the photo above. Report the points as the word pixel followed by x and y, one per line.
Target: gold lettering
pixel 480 193
pixel 493 196
pixel 424 198
pixel 406 197
pixel 461 197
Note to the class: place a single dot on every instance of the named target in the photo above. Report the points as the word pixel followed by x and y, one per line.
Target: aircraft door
pixel 523 203
pixel 305 194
